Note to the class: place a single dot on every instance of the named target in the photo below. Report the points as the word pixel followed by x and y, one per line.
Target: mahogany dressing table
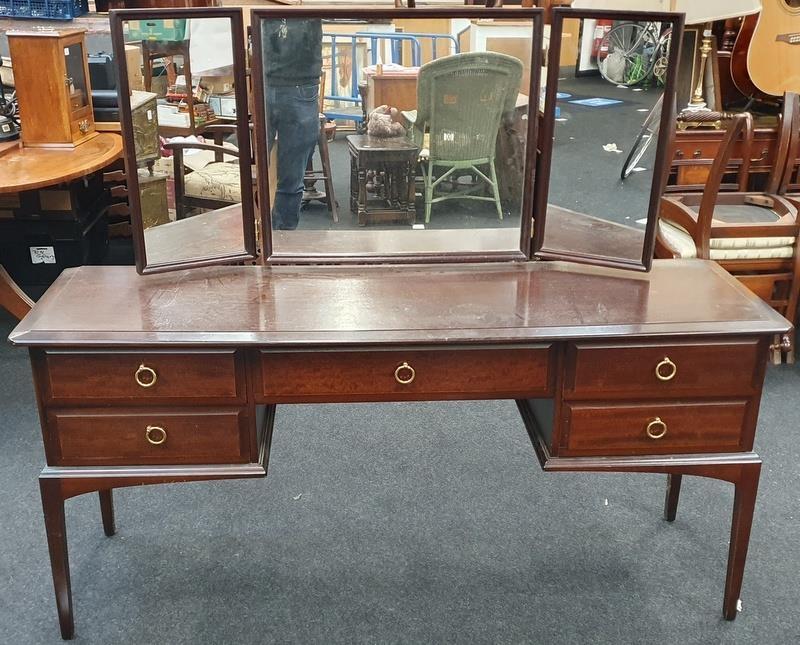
pixel 175 377
pixel 612 371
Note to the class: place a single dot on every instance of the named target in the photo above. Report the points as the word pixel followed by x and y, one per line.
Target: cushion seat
pixel 727 248
pixel 218 180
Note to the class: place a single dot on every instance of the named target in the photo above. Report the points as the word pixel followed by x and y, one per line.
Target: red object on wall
pixel 600 30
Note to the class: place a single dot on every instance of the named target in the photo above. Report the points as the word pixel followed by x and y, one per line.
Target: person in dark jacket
pixel 292 55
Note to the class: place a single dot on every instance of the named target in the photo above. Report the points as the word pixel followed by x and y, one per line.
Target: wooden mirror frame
pixel 117 18
pixel 533 14
pixel 661 166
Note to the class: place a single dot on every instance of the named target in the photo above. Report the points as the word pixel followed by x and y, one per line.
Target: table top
pixel 447 304
pixel 30 168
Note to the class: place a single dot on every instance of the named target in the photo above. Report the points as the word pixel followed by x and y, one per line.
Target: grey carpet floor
pixel 402 523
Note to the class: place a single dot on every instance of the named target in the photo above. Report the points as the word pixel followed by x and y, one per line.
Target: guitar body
pixel 773 58
pixel 739 73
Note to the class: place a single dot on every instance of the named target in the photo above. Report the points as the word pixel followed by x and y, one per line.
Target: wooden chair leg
pixel 55 525
pixel 324 154
pixel 12 298
pixel 744 503
pixel 673 493
pixel 107 511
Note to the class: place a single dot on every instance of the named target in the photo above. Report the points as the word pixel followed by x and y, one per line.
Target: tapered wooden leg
pixel 55 525
pixel 744 503
pixel 673 493
pixel 107 511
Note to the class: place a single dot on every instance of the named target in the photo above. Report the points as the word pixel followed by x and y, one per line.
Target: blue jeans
pixel 292 116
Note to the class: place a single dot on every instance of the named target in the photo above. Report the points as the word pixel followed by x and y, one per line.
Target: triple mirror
pixel 608 116
pixel 184 115
pixel 396 134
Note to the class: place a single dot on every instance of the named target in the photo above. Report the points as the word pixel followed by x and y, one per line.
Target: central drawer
pixel 138 436
pixel 134 377
pixel 416 374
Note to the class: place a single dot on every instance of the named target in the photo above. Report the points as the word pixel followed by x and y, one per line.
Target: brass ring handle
pixel 143 369
pixel 156 435
pixel 662 375
pixel 410 377
pixel 651 428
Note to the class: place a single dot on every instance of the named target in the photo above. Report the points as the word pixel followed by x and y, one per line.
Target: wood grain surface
pixel 443 304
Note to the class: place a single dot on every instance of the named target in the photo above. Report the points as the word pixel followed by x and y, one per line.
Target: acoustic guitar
pixel 766 56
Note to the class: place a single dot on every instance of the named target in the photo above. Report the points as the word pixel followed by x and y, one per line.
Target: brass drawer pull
pixel 150 381
pixel 656 429
pixel 156 435
pixel 666 370
pixel 408 372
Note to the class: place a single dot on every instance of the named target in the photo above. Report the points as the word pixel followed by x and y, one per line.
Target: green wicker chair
pixel 461 101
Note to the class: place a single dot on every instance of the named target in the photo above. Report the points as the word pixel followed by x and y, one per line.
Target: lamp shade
pixel 697 11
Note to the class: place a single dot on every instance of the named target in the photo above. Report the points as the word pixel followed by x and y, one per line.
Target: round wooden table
pixel 31 168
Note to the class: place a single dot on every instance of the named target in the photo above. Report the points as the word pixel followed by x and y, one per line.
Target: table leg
pixel 107 511
pixel 744 503
pixel 12 298
pixel 55 525
pixel 673 493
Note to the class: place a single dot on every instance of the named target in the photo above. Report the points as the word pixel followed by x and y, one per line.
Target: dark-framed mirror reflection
pixel 184 117
pixel 608 111
pixel 398 135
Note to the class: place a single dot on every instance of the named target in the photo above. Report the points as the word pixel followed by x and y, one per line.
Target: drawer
pixel 137 436
pixel 418 374
pixel 85 378
pixel 656 428
pixel 643 370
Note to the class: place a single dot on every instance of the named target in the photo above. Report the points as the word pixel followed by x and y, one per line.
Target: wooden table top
pixel 30 168
pixel 446 304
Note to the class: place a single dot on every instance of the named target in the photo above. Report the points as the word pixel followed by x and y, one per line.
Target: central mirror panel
pixel 395 134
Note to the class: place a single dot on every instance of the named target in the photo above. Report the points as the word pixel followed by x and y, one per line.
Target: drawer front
pixel 655 428
pixel 148 436
pixel 708 368
pixel 370 375
pixel 85 378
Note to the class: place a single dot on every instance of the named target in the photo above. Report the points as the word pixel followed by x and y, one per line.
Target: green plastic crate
pixel 156 30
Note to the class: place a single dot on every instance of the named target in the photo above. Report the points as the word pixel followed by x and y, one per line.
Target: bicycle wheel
pixel 628 48
pixel 661 58
pixel 646 135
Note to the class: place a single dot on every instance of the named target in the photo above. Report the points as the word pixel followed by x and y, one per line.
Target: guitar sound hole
pixel 793 4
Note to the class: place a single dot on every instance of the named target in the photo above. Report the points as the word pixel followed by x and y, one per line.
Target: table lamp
pixel 706 12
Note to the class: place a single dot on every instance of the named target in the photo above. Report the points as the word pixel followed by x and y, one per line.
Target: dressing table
pixel 612 371
pixel 175 371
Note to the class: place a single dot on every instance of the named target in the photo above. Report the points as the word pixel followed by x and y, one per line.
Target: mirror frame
pixel 117 18
pixel 535 15
pixel 662 161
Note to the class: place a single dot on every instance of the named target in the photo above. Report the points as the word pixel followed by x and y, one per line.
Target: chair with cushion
pixel 462 100
pixel 752 235
pixel 210 185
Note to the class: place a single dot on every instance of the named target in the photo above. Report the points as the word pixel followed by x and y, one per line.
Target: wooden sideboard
pixel 175 377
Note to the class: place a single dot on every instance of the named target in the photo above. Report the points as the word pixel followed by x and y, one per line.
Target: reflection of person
pixel 292 55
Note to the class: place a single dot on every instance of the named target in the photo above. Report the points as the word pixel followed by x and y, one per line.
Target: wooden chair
pixel 752 235
pixel 790 181
pixel 216 185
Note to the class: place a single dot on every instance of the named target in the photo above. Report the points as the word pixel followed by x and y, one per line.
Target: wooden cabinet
pixel 51 75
